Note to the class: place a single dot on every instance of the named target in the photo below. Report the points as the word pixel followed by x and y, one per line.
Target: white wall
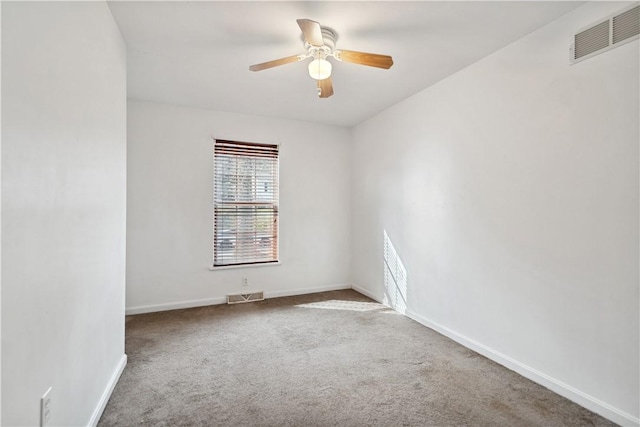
pixel 63 209
pixel 170 202
pixel 0 216
pixel 510 192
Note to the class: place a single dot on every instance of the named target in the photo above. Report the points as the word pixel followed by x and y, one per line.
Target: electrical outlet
pixel 45 408
pixel 245 281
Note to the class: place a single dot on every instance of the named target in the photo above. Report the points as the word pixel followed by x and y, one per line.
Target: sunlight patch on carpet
pixel 335 304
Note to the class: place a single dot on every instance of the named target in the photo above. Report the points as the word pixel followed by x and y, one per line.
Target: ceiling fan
pixel 320 43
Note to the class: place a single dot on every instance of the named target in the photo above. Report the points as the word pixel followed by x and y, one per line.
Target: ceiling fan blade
pixel 363 58
pixel 311 32
pixel 276 62
pixel 325 88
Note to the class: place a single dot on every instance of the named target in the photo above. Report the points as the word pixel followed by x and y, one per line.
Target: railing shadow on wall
pixel 395 278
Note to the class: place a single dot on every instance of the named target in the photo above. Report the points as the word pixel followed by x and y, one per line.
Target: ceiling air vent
pixel 618 29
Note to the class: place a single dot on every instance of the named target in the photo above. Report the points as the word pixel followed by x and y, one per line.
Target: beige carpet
pixel 328 359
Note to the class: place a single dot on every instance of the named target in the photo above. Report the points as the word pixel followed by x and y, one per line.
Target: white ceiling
pixel 198 53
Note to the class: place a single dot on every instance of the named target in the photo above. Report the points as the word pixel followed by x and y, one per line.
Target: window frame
pixel 275 235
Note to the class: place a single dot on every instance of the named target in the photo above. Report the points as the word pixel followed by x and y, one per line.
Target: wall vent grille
pixel 592 40
pixel 248 297
pixel 618 29
pixel 626 25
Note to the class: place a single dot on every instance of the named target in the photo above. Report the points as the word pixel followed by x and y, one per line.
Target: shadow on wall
pixel 395 278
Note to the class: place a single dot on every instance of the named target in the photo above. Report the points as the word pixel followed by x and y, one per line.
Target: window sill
pixel 232 267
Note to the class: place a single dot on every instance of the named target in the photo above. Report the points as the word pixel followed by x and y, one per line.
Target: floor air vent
pixel 618 29
pixel 250 297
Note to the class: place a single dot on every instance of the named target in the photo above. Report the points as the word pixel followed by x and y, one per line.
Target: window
pixel 245 218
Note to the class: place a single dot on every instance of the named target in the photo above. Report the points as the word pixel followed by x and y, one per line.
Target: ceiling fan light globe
pixel 320 69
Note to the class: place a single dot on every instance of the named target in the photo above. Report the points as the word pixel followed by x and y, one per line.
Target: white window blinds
pixel 245 220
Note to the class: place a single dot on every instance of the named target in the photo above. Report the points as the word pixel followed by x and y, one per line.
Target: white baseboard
pixel 175 305
pixel 278 294
pixel 541 378
pixel 223 300
pixel 102 403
